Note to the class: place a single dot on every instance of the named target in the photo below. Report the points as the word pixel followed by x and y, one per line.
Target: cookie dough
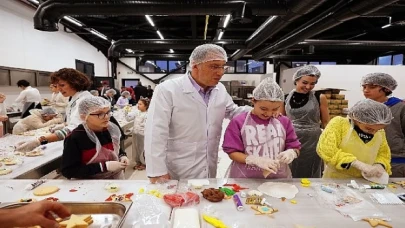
pixel 5 171
pixel 77 221
pixel 9 161
pixel 45 190
pixel 34 153
pixel 213 195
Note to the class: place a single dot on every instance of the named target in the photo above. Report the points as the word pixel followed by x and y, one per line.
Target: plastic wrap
pixel 148 212
pixel 347 201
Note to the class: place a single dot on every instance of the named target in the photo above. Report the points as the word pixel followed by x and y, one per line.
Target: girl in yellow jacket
pixel 357 144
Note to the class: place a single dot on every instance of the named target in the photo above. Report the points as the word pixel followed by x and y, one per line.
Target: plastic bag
pixel 347 202
pixel 182 199
pixel 186 217
pixel 148 212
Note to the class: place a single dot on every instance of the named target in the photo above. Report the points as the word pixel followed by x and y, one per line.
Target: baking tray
pixel 104 214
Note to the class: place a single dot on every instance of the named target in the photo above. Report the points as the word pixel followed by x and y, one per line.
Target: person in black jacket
pixel 149 92
pixel 109 96
pixel 92 150
pixel 140 91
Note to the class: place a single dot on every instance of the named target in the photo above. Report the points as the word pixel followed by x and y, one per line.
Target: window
pixel 161 66
pixel 384 60
pixel 147 67
pixel 398 59
pixel 241 66
pixel 299 64
pixel 86 68
pixel 231 67
pixel 314 63
pixel 328 63
pixel 255 67
pixel 177 65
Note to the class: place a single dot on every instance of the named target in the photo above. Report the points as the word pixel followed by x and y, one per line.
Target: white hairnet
pixel 207 52
pixel 48 111
pixel 92 104
pixel 125 93
pixel 308 70
pixel 94 92
pixel 368 111
pixel 112 91
pixel 268 90
pixel 380 79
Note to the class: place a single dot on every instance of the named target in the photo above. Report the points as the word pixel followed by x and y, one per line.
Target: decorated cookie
pixel 112 188
pixel 77 221
pixel 120 198
pixel 5 171
pixel 34 153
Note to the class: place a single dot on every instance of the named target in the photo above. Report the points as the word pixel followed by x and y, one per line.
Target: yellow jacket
pixel 330 149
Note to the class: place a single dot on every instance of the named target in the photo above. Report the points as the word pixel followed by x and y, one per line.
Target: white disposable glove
pixel 287 156
pixel 363 167
pixel 377 170
pixel 27 146
pixel 113 166
pixel 57 127
pixel 268 164
pixel 125 160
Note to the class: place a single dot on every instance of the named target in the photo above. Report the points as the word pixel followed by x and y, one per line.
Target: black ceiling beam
pixel 48 13
pixel 353 10
pixel 117 47
pixel 274 24
pixel 194 27
pixel 353 45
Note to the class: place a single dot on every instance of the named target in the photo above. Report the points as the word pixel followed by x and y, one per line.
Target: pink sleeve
pixel 233 139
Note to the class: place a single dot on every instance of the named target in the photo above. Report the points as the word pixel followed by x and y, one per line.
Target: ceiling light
pixel 102 36
pixel 129 50
pixel 150 20
pixel 72 20
pixel 160 35
pixel 34 1
pixel 386 26
pixel 269 20
pixel 226 22
pixel 220 35
pixel 171 51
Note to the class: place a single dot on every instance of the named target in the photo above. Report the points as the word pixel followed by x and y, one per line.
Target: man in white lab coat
pixel 185 117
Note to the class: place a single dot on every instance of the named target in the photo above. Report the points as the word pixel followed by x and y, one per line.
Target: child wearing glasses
pixel 92 150
pixel 138 136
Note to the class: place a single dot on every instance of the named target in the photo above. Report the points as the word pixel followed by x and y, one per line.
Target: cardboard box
pixel 345 102
pixel 342 106
pixel 336 102
pixel 333 106
pixel 338 96
pixel 336 112
pixel 328 96
pixel 330 90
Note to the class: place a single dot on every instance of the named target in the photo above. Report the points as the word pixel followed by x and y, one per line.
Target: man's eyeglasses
pixel 221 68
pixel 102 115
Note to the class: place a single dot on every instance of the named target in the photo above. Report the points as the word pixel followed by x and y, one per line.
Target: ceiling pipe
pixel 354 9
pixel 48 13
pixel 353 44
pixel 118 46
pixel 276 23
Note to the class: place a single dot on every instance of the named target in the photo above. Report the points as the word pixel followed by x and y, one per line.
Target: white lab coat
pixel 72 110
pixel 182 134
pixel 29 94
pixel 59 102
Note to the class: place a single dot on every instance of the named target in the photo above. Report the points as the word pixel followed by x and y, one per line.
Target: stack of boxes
pixel 337 104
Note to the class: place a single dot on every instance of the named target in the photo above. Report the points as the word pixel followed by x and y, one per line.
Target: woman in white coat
pixel 71 83
pixel 58 101
pixel 185 118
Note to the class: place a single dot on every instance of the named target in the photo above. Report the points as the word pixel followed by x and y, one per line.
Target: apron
pixel 104 154
pixel 262 141
pixel 352 144
pixel 306 122
pixel 27 107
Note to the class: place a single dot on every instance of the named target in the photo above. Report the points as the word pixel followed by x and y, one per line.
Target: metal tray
pixel 104 214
